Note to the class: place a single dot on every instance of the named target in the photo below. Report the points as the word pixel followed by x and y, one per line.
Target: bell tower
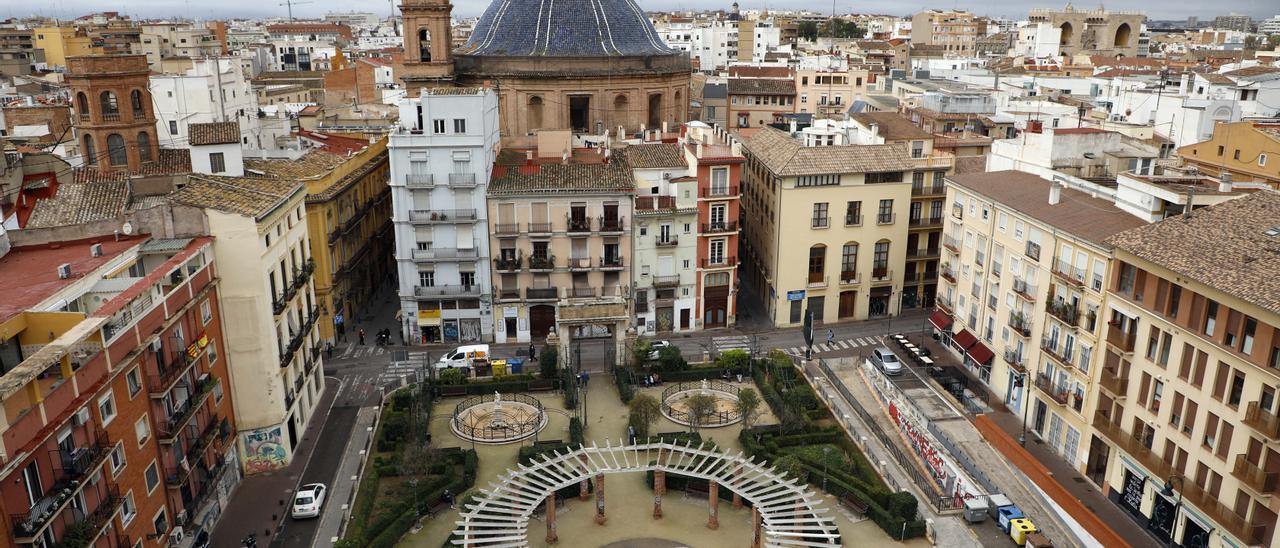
pixel 428 43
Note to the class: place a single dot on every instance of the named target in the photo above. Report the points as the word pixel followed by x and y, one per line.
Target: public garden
pixel 479 429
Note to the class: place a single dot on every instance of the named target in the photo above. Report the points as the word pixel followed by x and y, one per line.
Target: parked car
pixel 655 348
pixel 307 501
pixel 887 361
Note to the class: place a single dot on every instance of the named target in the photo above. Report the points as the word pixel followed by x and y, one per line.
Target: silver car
pixel 887 361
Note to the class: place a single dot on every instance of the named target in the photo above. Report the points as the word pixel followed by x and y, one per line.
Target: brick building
pixel 115 121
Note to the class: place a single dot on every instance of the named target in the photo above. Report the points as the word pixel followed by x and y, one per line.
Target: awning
pixel 964 339
pixel 980 354
pixel 941 320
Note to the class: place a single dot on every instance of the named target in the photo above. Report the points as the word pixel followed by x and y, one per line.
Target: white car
pixel 307 501
pixel 887 362
pixel 655 348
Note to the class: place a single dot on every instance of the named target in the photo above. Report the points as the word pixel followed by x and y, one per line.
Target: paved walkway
pixel 260 504
pixel 343 488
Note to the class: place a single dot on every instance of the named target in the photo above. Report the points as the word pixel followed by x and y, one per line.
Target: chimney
pixel 664 128
pixel 793 126
pixel 875 131
pixel 528 157
pixel 698 152
pixel 1224 182
pixel 1055 193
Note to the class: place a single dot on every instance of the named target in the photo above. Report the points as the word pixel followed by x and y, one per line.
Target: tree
pixel 640 354
pixel 734 360
pixel 452 376
pixel 846 29
pixel 808 30
pixel 670 359
pixel 548 361
pixel 748 406
pixel 700 407
pixel 791 466
pixel 645 411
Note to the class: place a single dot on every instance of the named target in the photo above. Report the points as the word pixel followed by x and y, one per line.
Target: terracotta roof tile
pixel 761 86
pixel 249 196
pixel 171 161
pixel 78 203
pixel 893 126
pixel 214 133
pixel 571 178
pixel 1224 246
pixel 315 163
pixel 787 157
pixel 655 155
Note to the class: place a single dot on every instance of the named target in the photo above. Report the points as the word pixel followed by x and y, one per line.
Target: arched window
pixel 1123 33
pixel 849 262
pixel 1067 32
pixel 424 45
pixel 82 105
pixel 535 113
pixel 655 110
pixel 817 263
pixel 109 104
pixel 144 146
pixel 135 101
pixel 116 150
pixel 90 152
pixel 620 106
pixel 880 262
pixel 679 107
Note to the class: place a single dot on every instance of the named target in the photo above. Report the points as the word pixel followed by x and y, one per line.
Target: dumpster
pixel 515 366
pixel 975 510
pixel 1008 514
pixel 1019 529
pixel 499 367
pixel 1038 540
pixel 995 503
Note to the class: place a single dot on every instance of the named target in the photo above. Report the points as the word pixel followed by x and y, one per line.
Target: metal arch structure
pixel 791 514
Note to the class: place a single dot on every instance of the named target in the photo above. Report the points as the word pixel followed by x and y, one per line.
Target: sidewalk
pixel 261 502
pixel 342 490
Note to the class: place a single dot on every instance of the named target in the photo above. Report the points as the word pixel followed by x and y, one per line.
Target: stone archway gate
pixel 785 511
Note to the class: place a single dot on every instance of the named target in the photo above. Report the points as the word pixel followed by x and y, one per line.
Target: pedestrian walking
pixel 831 336
pixel 328 350
pixel 360 334
pixel 533 352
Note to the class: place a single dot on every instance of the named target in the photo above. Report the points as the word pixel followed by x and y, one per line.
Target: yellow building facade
pixel 1249 151
pixel 59 43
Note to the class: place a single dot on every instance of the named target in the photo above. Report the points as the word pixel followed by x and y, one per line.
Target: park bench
pixel 542 385
pixel 454 390
pixel 548 442
pixel 852 503
pixel 437 507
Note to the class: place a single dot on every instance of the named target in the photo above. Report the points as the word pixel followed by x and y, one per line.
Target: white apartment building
pixel 1038 40
pixel 159 41
pixel 213 90
pixel 440 155
pixel 664 236
pixel 260 227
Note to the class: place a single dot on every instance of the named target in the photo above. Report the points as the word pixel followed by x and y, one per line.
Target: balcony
pixel 172 427
pixel 1067 273
pixel 852 219
pixel 928 190
pixel 578 225
pixel 582 292
pixel 159 385
pixel 669 241
pixel 612 225
pixel 925 222
pixel 433 216
pixel 506 294
pixel 725 227
pixel 1252 475
pixel 541 293
pixel 666 280
pixel 579 264
pixel 507 264
pixel 1020 325
pixel 611 263
pixel 881 274
pixel 542 263
pixel 948 274
pixel 1033 251
pixel 1024 289
pixel 111 117
pixel 718 262
pixel 1118 338
pixel 951 243
pixel 1063 358
pixel 886 218
pixel 957 211
pixel 1263 421
pixel 1066 313
pixel 445 254
pixel 1112 382
pixel 718 191
pixel 1014 360
pixel 817 280
pixel 848 277
pixel 944 304
pixel 178 476
pixel 455 291
pixel 462 180
pixel 506 230
pixel 540 228
pixel 419 181
pixel 1057 393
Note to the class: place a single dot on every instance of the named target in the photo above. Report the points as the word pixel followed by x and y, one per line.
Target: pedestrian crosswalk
pixel 843 344
pixel 354 351
pixel 397 370
pixel 739 342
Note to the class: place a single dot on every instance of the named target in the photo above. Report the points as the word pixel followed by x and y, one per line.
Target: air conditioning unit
pixel 64 271
pixel 81 417
pixel 175 537
pixel 95 250
pixel 156 345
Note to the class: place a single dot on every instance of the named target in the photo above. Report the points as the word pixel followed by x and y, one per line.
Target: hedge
pixel 395 518
pixel 575 432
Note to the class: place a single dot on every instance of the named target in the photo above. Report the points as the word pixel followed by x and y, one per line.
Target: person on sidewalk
pixel 533 352
pixel 360 334
pixel 328 351
pixel 831 336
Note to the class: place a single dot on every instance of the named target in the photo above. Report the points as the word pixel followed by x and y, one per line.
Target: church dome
pixel 565 28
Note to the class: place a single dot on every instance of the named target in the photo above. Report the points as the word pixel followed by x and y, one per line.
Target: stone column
pixel 600 517
pixel 757 536
pixel 659 488
pixel 551 519
pixel 737 499
pixel 713 499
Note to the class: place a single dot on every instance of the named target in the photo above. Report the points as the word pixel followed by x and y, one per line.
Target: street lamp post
pixel 1167 491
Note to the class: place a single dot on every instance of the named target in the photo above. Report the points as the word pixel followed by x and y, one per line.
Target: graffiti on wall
pixel 264 450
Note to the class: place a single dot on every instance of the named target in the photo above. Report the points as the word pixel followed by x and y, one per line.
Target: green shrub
pixel 570 383
pixel 575 432
pixel 734 360
pixel 549 361
pixel 625 390
pixel 452 377
pixel 389 536
pixel 670 359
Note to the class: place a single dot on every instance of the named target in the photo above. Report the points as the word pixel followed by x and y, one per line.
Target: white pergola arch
pixel 789 513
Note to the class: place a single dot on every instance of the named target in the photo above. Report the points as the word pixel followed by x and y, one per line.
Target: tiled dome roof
pixel 565 28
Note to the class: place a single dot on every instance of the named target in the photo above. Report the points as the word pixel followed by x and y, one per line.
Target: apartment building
pixel 956 30
pixel 1242 149
pixel 118 424
pixel 59 43
pixel 561 238
pixel 665 238
pixel 348 211
pixel 757 102
pixel 210 91
pixel 160 41
pixel 830 93
pixel 716 167
pixel 278 376
pixel 1186 419
pixel 440 159
pixel 828 232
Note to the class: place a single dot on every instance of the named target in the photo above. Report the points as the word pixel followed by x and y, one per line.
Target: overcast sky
pixel 215 9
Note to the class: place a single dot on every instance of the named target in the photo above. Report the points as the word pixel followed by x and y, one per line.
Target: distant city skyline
pixel 1016 9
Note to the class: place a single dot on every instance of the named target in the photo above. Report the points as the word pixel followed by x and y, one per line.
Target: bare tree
pixel 700 408
pixel 748 406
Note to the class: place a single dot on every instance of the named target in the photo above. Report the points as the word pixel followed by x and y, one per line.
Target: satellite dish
pixel 127 228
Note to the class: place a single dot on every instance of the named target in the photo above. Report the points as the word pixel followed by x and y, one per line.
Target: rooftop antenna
pixel 291 3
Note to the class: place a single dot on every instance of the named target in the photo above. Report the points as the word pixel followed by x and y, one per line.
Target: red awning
pixel 941 320
pixel 964 339
pixel 980 354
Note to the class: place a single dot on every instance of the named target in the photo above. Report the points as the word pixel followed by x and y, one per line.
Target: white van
pixel 464 356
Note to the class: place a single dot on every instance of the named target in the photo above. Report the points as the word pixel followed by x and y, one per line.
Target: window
pixel 817 262
pixel 173 127
pixel 1246 342
pixel 1210 317
pixel 107 408
pixel 117 459
pixel 134 380
pixel 820 215
pixel 426 278
pixel 110 105
pixel 90 153
pixel 849 262
pixel 716 252
pixel 217 163
pixel 116 150
pixel 161 523
pixel 152 476
pixel 880 261
pixel 206 312
pixel 1262 160
pixel 459 125
pixel 885 215
pixel 853 213
pixel 144 146
pixel 437 126
pixel 720 181
pixel 128 510
pixel 142 429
